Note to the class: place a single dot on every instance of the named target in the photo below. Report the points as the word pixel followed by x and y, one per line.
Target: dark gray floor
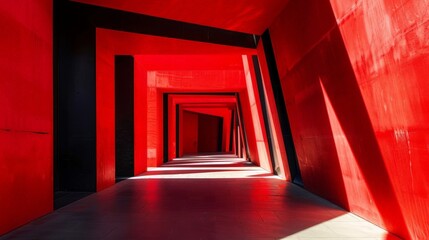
pixel 200 198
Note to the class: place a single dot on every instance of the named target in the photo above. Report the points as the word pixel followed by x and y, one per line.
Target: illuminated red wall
pixel 140 118
pixel 355 85
pixel 26 146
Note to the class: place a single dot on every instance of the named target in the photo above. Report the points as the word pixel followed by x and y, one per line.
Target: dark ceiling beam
pixel 143 24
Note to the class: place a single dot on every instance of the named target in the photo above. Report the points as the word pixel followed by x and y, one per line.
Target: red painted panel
pixel 357 100
pixel 140 117
pixel 239 15
pixel 190 133
pixel 105 114
pixel 26 120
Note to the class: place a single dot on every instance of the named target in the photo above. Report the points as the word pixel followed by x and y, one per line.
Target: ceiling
pixel 248 16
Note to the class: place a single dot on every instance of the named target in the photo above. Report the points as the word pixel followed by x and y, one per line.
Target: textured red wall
pixel 356 91
pixel 26 146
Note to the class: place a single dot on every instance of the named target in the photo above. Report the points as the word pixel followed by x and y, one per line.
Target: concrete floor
pixel 205 197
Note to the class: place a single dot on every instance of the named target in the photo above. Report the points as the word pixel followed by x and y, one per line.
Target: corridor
pixel 201 197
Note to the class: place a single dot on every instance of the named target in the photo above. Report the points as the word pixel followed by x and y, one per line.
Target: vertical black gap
pixel 281 109
pixel 56 29
pixel 231 131
pixel 74 105
pixel 165 125
pixel 177 131
pixel 241 124
pixel 262 100
pixel 124 116
pixel 220 135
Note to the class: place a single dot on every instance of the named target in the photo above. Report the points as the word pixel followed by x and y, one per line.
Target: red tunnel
pixel 328 95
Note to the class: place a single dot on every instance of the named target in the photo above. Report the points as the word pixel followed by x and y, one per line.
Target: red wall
pixel 186 100
pixel 167 65
pixel 140 118
pixel 208 133
pixel 355 85
pixel 26 146
pixel 224 112
pixel 105 113
pixel 190 133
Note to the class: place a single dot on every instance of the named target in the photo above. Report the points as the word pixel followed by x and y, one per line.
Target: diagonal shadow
pixel 342 89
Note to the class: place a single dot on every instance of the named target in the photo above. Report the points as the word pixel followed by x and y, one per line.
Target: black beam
pixel 165 125
pixel 124 116
pixel 177 130
pixel 74 121
pixel 144 24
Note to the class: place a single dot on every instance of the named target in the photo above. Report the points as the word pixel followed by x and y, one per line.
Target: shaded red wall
pixel 356 92
pixel 225 113
pixel 194 100
pixel 209 133
pixel 26 139
pixel 190 133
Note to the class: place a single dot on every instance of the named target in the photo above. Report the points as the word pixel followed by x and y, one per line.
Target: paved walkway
pixel 205 197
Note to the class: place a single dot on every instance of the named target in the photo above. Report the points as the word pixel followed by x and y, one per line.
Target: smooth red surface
pixel 239 15
pixel 105 114
pixel 356 91
pixel 140 118
pixel 26 139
